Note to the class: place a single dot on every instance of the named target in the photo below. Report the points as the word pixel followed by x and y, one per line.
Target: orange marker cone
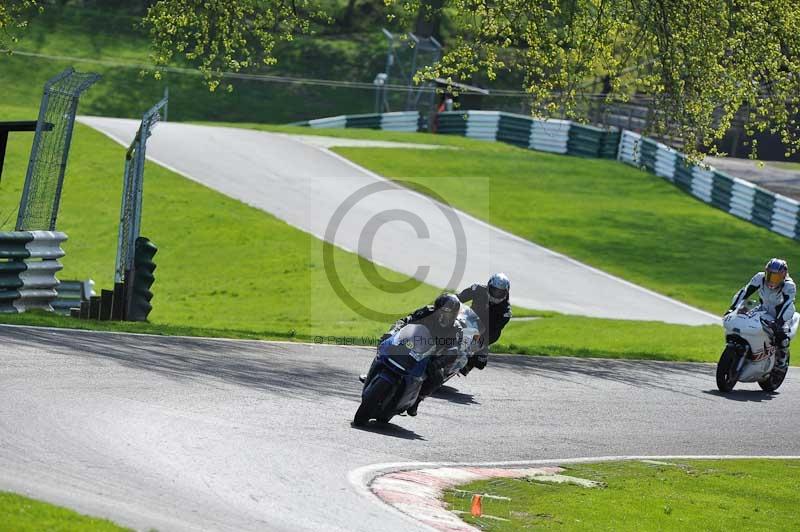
pixel 477 506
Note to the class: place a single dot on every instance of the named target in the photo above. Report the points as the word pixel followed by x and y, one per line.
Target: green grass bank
pixel 21 514
pixel 713 495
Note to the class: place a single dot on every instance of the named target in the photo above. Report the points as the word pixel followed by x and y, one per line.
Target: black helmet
pixel 447 307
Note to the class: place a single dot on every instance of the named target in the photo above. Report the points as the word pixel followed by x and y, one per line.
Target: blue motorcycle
pixel 396 375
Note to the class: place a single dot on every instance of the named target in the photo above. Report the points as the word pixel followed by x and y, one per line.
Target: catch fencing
pixel 731 194
pixel 41 194
pixel 28 266
pixel 130 217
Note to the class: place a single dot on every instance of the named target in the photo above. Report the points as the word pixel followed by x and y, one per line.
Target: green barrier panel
pixel 585 140
pixel 648 149
pixel 13 244
pixel 610 144
pixel 683 180
pixel 371 121
pixel 514 130
pixel 452 123
pixel 764 201
pixel 762 217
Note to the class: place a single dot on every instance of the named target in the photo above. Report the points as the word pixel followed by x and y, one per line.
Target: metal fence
pixel 41 195
pixel 133 179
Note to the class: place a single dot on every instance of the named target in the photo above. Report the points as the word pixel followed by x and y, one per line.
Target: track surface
pixel 189 434
pixel 304 185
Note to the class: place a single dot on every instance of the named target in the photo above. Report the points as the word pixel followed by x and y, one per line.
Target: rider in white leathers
pixel 776 291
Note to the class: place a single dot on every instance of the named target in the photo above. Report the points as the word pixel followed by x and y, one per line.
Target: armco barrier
pixel 586 141
pixel 550 135
pixel 70 295
pixel 733 195
pixel 736 196
pixel 400 121
pixel 28 267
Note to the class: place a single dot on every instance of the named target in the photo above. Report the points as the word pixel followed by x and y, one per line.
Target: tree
pixel 699 61
pixel 220 35
pixel 13 17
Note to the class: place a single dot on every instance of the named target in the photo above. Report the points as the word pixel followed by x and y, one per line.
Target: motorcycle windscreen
pixel 417 339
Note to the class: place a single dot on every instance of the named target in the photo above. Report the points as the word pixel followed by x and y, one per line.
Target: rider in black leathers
pixel 440 320
pixel 491 304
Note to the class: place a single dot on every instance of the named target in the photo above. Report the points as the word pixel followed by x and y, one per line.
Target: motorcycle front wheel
pixel 775 378
pixel 376 393
pixel 726 370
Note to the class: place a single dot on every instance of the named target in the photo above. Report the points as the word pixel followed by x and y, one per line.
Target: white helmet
pixel 498 286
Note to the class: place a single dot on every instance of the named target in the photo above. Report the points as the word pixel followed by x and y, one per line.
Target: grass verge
pixel 229 270
pixel 21 514
pixel 619 219
pixel 687 494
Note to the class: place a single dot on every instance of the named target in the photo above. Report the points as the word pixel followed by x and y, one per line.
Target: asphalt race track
pixel 306 185
pixel 188 434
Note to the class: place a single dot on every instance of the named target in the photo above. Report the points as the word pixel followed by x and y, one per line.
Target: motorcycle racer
pixel 491 304
pixel 776 291
pixel 440 320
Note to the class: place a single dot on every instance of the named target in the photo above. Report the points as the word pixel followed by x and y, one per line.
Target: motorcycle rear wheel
pixel 774 379
pixel 374 396
pixel 726 369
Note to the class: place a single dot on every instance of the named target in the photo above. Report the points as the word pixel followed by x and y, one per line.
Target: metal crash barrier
pixel 28 266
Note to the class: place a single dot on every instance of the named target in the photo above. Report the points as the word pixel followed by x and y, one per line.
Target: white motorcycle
pixel 471 342
pixel 749 354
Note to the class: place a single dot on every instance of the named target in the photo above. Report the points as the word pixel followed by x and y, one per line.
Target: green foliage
pixel 701 61
pixel 13 17
pixel 219 35
pixel 113 39
pixel 672 495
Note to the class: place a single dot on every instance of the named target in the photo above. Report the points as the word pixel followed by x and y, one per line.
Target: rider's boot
pixel 413 410
pixel 782 358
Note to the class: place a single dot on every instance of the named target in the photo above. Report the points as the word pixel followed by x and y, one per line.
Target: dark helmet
pixel 775 273
pixel 447 307
pixel 498 286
